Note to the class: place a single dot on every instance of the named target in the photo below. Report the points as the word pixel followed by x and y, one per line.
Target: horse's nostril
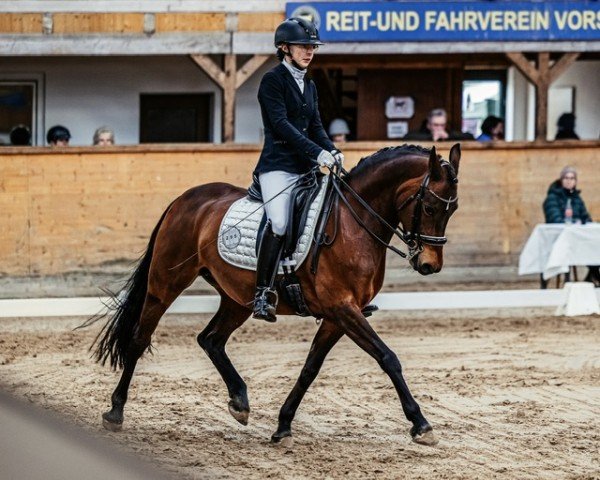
pixel 426 269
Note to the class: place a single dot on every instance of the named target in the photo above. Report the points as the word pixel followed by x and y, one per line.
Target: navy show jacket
pixel 294 133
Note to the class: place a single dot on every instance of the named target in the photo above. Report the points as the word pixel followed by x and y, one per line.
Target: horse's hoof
pixel 286 441
pixel 240 415
pixel 110 425
pixel 426 437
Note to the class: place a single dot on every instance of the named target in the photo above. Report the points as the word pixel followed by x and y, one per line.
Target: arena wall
pixel 77 208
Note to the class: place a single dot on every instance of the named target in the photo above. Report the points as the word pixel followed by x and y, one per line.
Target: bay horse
pixel 409 191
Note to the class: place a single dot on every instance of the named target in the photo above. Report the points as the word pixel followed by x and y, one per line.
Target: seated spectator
pixel 20 135
pixel 435 129
pixel 338 129
pixel 566 127
pixel 563 203
pixel 58 136
pixel 492 129
pixel 104 136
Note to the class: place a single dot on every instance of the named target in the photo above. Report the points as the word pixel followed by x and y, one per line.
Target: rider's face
pixel 301 54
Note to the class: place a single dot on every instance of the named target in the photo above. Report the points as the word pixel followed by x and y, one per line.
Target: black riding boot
pixel 269 254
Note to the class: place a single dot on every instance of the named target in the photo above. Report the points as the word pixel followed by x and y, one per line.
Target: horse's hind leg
pixel 358 329
pixel 325 339
pixel 212 340
pixel 152 312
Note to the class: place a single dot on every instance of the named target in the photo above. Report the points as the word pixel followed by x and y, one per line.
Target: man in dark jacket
pixel 563 200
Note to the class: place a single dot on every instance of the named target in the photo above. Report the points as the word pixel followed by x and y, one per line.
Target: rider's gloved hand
pixel 325 159
pixel 338 156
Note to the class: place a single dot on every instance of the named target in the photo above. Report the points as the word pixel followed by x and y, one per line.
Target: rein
pixel 413 239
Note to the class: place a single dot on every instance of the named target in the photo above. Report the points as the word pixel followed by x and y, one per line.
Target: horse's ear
pixel 435 167
pixel 455 156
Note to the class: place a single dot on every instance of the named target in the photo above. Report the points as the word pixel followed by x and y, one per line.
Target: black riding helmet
pixel 297 31
pixel 58 132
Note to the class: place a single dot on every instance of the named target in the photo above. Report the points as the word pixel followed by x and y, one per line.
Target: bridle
pixel 413 238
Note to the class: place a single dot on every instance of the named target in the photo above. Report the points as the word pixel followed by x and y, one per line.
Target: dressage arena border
pixel 187 304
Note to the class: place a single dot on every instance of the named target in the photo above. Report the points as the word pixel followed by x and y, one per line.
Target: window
pixel 175 118
pixel 482 95
pixel 18 106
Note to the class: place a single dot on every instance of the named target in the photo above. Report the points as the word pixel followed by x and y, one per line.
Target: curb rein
pixel 413 239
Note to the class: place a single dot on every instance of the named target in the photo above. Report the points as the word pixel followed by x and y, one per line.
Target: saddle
pixel 301 197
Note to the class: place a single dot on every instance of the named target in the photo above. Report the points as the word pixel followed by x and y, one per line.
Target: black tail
pixel 113 340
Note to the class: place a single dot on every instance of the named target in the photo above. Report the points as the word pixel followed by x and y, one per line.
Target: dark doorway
pixel 17 104
pixel 175 118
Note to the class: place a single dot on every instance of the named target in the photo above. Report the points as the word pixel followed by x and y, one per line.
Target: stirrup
pixel 265 304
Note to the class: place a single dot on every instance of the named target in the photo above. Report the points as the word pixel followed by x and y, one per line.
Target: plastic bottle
pixel 569 212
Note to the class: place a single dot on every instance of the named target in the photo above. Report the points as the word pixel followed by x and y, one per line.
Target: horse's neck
pixel 379 190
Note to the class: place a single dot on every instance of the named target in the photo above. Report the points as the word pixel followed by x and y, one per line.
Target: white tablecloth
pixel 553 247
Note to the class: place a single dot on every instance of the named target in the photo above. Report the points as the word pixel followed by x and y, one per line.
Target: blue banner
pixel 445 21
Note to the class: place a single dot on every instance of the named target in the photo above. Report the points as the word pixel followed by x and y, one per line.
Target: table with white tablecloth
pixel 553 247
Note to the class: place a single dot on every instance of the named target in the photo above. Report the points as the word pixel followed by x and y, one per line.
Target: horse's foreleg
pixel 152 311
pixel 360 331
pixel 212 339
pixel 325 339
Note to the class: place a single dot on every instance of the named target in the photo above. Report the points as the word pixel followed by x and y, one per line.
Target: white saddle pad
pixel 239 229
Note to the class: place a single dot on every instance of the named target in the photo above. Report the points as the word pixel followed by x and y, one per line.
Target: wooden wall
pixel 429 87
pixel 79 208
pixel 81 23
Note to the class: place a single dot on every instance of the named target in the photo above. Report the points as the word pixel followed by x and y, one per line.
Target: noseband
pixel 413 239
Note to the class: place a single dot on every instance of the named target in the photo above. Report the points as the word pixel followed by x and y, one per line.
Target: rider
pixel 294 137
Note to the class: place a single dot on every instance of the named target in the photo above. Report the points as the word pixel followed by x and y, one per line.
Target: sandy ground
pixel 514 394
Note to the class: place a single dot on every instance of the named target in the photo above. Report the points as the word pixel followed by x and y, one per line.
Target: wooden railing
pixel 77 208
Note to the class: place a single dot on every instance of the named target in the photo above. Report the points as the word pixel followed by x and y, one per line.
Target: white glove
pixel 339 157
pixel 325 159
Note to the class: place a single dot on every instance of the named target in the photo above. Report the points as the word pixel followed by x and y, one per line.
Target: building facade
pixel 188 71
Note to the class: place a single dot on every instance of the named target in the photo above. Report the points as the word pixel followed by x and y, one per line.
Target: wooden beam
pixel 520 61
pixel 210 68
pixel 562 64
pixel 541 96
pixel 229 98
pixel 248 69
pixel 229 79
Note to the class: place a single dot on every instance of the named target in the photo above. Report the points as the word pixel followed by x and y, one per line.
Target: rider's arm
pixel 271 97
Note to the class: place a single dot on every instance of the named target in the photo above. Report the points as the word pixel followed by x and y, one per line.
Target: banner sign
pixel 476 20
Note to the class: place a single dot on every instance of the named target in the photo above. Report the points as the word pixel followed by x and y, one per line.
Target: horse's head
pixel 424 213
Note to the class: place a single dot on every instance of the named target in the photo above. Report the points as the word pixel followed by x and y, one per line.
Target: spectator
pixel 435 129
pixel 20 135
pixel 104 136
pixel 555 207
pixel 492 129
pixel 566 127
pixel 58 136
pixel 338 129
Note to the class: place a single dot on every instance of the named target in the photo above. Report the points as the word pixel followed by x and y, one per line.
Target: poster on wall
pixel 397 129
pixel 399 107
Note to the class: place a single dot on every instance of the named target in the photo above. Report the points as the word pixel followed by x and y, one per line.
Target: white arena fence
pixel 446 300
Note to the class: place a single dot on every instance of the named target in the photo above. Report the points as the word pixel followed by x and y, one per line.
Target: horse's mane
pixel 368 163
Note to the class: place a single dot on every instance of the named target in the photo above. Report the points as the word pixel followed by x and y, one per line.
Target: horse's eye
pixel 428 209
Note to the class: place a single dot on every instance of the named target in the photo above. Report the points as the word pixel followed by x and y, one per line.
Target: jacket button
pixel 304 105
pixel 304 129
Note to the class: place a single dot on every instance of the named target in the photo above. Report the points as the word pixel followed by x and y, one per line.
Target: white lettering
pixel 429 19
pixel 574 20
pixel 542 20
pixel 561 19
pixel 412 21
pixel 332 21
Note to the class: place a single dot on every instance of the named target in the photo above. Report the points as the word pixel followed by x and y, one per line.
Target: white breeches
pixel 271 184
